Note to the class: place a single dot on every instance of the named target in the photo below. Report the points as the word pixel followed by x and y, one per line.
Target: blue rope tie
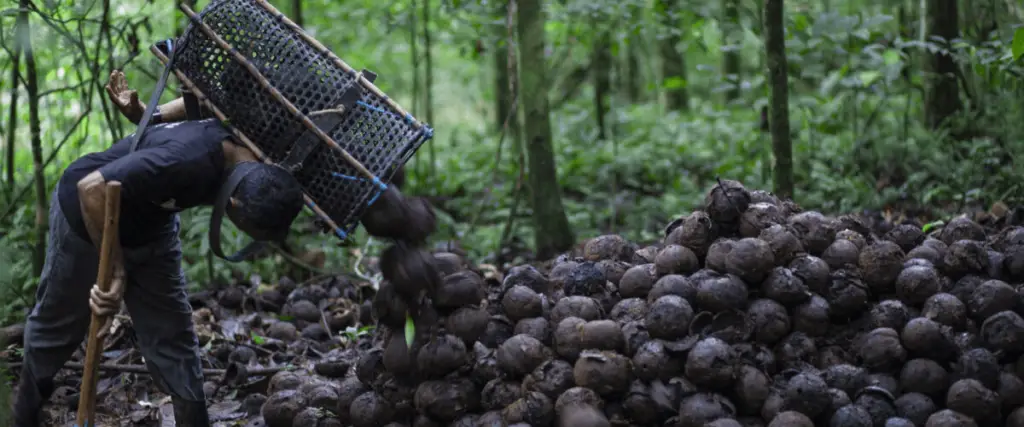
pixel 341 233
pixel 381 186
pixel 377 109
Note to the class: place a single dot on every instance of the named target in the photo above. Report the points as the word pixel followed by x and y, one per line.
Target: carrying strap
pixel 167 46
pixel 220 205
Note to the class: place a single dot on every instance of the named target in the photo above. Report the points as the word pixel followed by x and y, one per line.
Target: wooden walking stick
pixel 94 346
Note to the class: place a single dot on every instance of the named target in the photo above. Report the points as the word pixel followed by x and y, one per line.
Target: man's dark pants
pixel 155 295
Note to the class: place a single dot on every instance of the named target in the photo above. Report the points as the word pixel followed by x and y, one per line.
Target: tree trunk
pixel 942 94
pixel 12 122
pixel 25 40
pixel 673 64
pixel 552 233
pixel 415 58
pixel 775 45
pixel 600 69
pixel 633 74
pixel 428 84
pixel 502 96
pixel 733 33
pixel 297 12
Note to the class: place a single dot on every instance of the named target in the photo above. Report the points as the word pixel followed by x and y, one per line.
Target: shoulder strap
pixel 167 46
pixel 223 198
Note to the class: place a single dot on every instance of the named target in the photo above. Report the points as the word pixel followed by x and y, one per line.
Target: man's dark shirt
pixel 176 166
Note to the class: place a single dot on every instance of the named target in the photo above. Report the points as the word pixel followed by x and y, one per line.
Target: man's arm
pixel 172 111
pixel 92 198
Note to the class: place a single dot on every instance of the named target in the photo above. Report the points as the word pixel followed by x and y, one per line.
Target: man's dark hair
pixel 269 200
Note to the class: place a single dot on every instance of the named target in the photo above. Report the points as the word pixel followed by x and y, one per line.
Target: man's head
pixel 265 202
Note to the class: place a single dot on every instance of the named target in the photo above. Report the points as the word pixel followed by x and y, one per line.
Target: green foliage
pixel 856 79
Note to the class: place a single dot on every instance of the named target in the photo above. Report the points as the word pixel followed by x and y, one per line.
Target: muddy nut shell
pixel 582 416
pixel 711 363
pixel 806 393
pixel 441 356
pixel 769 319
pixel 718 293
pixel 602 335
pixel 534 409
pixel 1004 331
pixel 751 259
pixel 669 318
pixel 949 418
pixel 446 400
pixel 585 308
pixel 608 247
pixel 971 398
pixel 537 327
pixel 467 323
pixel 673 284
pixel 521 302
pixel 499 393
pixel 605 372
pixel 568 338
pixel 882 350
pixel 578 396
pixel 717 252
pixel 675 259
pixel 629 310
pixel 281 408
pixel 460 289
pixel 881 263
pixel 696 232
pixel 915 284
pixel 637 281
pixel 784 243
pixel 527 275
pixel 653 361
pixel 552 378
pixel 521 354
pixel 701 408
pixel 726 201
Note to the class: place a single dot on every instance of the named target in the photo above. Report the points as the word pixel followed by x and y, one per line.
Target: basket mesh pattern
pixel 376 135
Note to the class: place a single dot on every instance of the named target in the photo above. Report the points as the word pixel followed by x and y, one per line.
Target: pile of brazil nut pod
pixel 750 312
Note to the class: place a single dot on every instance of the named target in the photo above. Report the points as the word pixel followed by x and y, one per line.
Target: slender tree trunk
pixel 633 74
pixel 942 95
pixel 673 63
pixel 733 31
pixel 428 82
pixel 12 118
pixel 414 36
pixel 24 38
pixel 775 45
pixel 502 97
pixel 600 69
pixel 552 233
pixel 297 12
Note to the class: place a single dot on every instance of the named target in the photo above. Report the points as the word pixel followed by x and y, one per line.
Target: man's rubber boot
pixel 188 413
pixel 29 399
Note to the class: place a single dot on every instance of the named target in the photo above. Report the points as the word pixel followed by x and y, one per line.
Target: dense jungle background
pixel 564 119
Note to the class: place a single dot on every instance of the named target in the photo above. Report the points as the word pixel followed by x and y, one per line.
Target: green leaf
pixel 410 330
pixel 931 225
pixel 869 77
pixel 1018 43
pixel 891 57
pixel 675 83
pixel 256 339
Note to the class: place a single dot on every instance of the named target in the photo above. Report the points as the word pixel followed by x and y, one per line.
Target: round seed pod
pixel 751 389
pixel 915 407
pixel 608 247
pixel 961 228
pixel 795 350
pixel 701 408
pixel 1004 331
pixel 806 393
pixel 906 236
pixel 499 393
pixel 614 270
pixel 924 376
pixel 498 330
pixel 370 366
pixel 853 236
pixel 915 284
pixel 784 243
pixel 882 350
pixel 783 286
pixel 851 416
pixel 467 323
pixel 606 373
pixel 924 336
pixel 758 217
pixel 962 288
pixel 965 257
pixel 1011 391
pixel 837 399
pixel 253 404
pixel 446 401
pixel 370 410
pixel 726 202
pixel 636 335
pixel 282 407
pixel 981 365
pixel 602 335
pixel 669 318
pixel 816 232
pixel 441 356
pixel 348 390
pixel 845 377
pixel 769 319
pixel 568 338
pixel 720 293
pixel 675 259
pixel 315 417
pixel 553 377
pixel 585 308
pixel 284 380
pixel 638 281
pixel 537 327
pixel 586 279
pixel 582 415
pixel 886 382
pixel 527 275
pixel 653 361
pixel 879 403
pixel 521 354
pixel 991 297
pixel 791 419
pixel 460 289
pixel 674 284
pixel 925 253
pixel 696 232
pixel 949 418
pixel 812 317
pixel 946 309
pixel 282 331
pixel 751 259
pixel 448 263
pixel 841 253
pixel 521 302
pixel 847 295
pixel 881 262
pixel 712 363
pixel 813 271
pixel 578 396
pixel 971 398
pixel 629 310
pixel 717 252
pixel 534 409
